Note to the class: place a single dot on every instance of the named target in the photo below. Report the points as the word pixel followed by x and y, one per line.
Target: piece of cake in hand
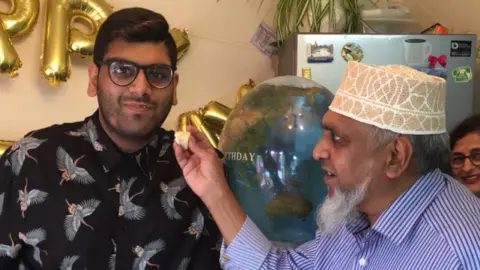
pixel 181 138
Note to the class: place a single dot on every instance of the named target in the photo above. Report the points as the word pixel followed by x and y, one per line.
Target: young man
pixel 107 192
pixel 390 206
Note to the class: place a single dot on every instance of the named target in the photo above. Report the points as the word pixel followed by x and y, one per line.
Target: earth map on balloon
pixel 268 140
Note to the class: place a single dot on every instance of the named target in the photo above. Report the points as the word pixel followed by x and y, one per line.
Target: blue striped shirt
pixel 435 224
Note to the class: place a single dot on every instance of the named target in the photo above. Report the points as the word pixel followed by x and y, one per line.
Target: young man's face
pixel 135 110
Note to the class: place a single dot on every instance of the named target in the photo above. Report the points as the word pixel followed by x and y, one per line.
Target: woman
pixel 465 160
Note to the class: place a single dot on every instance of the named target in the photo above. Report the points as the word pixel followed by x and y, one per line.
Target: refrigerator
pixel 323 58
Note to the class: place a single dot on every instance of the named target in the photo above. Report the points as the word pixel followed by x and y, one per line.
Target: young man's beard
pixel 340 207
pixel 110 107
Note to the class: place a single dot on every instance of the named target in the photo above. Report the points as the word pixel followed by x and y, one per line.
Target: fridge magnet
pixel 462 74
pixel 319 53
pixel 352 51
pixel 437 66
pixel 307 73
pixel 461 48
pixel 440 60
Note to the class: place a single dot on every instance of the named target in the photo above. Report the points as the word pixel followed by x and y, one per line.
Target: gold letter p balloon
pixel 60 39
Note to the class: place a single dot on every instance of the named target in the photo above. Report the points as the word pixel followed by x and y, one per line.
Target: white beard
pixel 340 207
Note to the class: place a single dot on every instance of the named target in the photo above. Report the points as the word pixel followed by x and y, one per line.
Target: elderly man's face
pixel 350 161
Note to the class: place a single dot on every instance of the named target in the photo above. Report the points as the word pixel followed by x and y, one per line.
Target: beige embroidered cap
pixel 392 97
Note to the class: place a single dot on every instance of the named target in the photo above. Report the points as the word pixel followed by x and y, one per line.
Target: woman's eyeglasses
pixel 458 160
pixel 123 72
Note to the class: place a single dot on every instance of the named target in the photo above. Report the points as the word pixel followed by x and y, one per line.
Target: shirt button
pixel 225 258
pixel 362 261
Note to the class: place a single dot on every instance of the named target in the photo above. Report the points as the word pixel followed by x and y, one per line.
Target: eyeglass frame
pixel 139 67
pixel 465 157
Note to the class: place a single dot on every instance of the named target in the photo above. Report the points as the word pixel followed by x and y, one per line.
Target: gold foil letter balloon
pixel 182 41
pixel 210 120
pixel 61 39
pixel 16 23
pixel 244 89
pixel 4 145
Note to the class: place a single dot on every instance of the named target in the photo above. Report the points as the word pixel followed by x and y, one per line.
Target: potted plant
pixel 292 16
pixel 338 16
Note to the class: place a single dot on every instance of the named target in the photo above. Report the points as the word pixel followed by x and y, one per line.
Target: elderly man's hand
pixel 202 168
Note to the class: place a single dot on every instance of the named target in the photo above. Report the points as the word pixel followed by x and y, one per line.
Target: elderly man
pixel 390 206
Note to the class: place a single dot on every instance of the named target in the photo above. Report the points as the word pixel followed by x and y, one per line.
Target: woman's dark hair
pixel 469 125
pixel 134 25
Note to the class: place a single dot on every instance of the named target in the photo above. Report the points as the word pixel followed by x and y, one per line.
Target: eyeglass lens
pixel 123 73
pixel 458 159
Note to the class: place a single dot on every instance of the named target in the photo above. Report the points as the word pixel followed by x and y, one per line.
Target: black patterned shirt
pixel 70 199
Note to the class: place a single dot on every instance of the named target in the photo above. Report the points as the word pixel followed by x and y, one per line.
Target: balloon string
pixel 223 41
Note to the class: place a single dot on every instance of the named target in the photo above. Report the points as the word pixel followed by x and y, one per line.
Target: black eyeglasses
pixel 123 72
pixel 458 160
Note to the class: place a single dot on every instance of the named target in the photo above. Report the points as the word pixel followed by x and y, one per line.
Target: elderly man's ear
pixel 399 156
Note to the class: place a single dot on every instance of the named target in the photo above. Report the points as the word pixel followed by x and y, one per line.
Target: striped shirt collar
pixel 397 221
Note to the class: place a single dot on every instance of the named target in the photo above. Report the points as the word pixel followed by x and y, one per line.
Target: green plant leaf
pixel 290 14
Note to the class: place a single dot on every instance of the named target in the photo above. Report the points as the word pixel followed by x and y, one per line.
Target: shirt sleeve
pixel 250 249
pixel 17 175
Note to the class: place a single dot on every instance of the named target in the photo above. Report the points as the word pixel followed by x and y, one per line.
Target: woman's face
pixel 465 161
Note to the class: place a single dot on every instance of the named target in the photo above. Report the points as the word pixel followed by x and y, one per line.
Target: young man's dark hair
pixel 134 25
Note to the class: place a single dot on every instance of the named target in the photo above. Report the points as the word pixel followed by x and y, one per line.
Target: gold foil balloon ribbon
pixel 209 120
pixel 244 89
pixel 4 146
pixel 16 23
pixel 60 39
pixel 182 41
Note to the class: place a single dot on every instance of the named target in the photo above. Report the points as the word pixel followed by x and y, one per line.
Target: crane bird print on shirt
pixel 218 245
pixel 197 227
pixel 127 208
pixel 33 238
pixel 10 251
pixel 28 198
pixel 145 254
pixel 2 198
pixel 113 258
pixel 78 213
pixel 184 264
pixel 166 144
pixel 169 196
pixel 89 133
pixel 70 170
pixel 68 262
pixel 20 150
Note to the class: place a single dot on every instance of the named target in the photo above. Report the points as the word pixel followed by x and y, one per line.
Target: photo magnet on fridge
pixel 319 53
pixel 352 51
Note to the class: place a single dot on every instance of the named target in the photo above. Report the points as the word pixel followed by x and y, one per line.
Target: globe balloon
pixel 268 140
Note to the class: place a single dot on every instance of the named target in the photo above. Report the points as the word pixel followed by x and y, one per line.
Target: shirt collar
pixel 110 155
pixel 358 223
pixel 398 220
